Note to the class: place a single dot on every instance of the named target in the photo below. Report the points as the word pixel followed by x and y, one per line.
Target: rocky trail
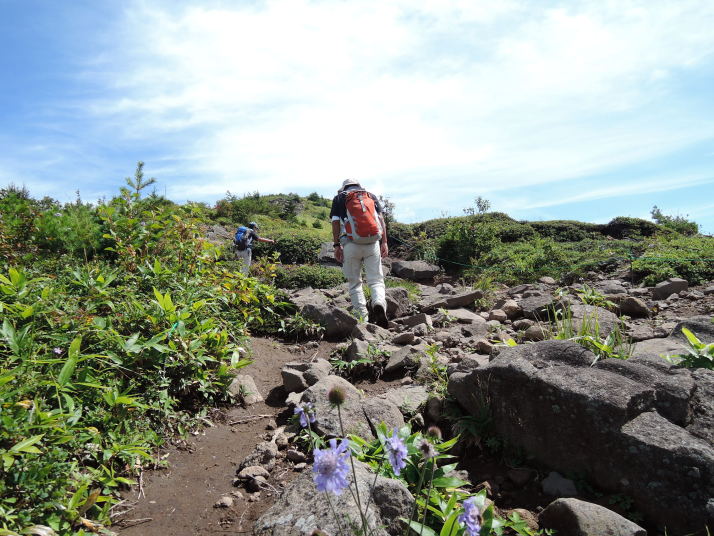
pixel 577 438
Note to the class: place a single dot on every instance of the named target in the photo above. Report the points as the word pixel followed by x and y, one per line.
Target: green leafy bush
pixel 624 227
pixel 691 258
pixel 293 248
pixel 566 230
pixel 310 275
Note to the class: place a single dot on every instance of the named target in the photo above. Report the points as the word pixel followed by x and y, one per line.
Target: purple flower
pixel 331 467
pixel 396 452
pixel 306 412
pixel 57 351
pixel 471 517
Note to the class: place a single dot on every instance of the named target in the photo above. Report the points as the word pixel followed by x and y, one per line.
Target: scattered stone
pixel 299 466
pixel 404 338
pixel 356 350
pixel 536 306
pixel 547 280
pixel 408 399
pixel 709 290
pixel 579 518
pixel 264 455
pixel 498 315
pixel 557 485
pixel 671 286
pixel 415 320
pixel 298 376
pixel 370 332
pixel 445 288
pixel 296 456
pixel 401 360
pixel 398 303
pixel 255 484
pixel 271 425
pixel 535 333
pixel 640 292
pixel 510 307
pixel 224 502
pixel 611 287
pixel 253 471
pixel 300 509
pixel 464 316
pixel 355 411
pixel 243 388
pixel 484 347
pixel 254 497
pixel 523 324
pixel 415 270
pixel 590 315
pixel 634 307
pixel 519 476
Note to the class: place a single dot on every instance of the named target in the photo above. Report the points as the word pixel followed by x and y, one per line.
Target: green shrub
pixel 293 248
pixel 623 227
pixel 566 230
pixel 309 275
pixel 691 258
pixel 678 224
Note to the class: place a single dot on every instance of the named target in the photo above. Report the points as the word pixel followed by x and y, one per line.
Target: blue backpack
pixel 240 240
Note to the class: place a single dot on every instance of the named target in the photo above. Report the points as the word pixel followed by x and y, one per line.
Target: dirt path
pixel 179 501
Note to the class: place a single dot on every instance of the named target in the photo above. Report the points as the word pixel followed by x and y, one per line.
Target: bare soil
pixel 179 501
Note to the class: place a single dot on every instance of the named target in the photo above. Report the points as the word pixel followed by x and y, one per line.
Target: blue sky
pixel 551 110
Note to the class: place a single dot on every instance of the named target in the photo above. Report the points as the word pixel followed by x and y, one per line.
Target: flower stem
pixel 354 475
pixel 416 498
pixel 428 497
pixel 337 519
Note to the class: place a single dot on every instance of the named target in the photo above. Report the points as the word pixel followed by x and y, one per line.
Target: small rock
pixel 484 347
pixel 244 389
pixel 547 280
pixel 404 338
pixel 254 497
pixel 271 425
pixel 519 476
pixel 252 472
pixel 709 290
pixel 299 466
pixel 224 502
pixel 535 333
pixel 498 315
pixel 579 518
pixel 256 484
pixel 523 324
pixel 237 494
pixel 296 456
pixel 557 485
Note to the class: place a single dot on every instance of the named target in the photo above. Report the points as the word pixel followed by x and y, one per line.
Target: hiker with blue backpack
pixel 243 244
pixel 360 238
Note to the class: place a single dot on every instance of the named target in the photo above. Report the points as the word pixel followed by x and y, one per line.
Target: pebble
pixel 224 502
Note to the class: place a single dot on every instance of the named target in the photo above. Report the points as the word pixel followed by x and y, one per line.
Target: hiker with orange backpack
pixel 360 238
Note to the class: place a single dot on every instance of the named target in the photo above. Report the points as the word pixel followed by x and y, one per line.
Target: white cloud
pixel 460 97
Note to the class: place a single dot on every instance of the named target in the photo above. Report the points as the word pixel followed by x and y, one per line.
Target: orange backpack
pixel 362 225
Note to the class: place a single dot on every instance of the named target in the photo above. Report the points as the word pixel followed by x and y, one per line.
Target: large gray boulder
pixel 573 517
pixel 673 285
pixel 357 411
pixel 635 427
pixel 431 302
pixel 415 270
pixel 301 508
pixel 538 306
pixel 676 342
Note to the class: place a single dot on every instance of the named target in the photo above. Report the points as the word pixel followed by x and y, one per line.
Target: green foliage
pixel 308 275
pixel 699 354
pixel 294 248
pixel 624 227
pixel 688 257
pixel 590 296
pixel 566 230
pixel 297 328
pixel 614 345
pixel 76 229
pixel 678 224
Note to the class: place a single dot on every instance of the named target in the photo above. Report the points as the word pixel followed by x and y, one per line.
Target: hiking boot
pixel 379 315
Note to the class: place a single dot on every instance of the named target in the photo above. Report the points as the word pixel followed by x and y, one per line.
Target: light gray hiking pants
pixel 355 256
pixel 245 257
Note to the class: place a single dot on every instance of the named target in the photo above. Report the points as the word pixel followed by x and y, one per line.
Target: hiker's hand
pixel 384 249
pixel 339 254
